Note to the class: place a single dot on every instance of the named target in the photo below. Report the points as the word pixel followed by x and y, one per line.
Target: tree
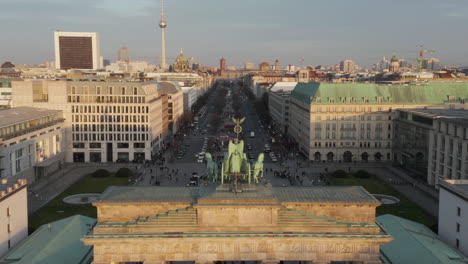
pixel 124 173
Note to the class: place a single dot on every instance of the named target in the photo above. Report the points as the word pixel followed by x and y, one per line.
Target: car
pixel 274 159
pixel 200 160
pixel 179 157
pixel 201 154
pixel 267 150
pixel 249 147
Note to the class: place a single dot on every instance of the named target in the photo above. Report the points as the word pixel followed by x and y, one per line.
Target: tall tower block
pixel 163 25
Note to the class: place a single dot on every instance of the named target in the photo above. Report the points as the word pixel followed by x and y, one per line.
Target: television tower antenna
pixel 163 25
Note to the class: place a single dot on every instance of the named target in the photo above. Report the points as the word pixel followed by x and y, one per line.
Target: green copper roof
pixel 55 243
pixel 371 93
pixel 415 243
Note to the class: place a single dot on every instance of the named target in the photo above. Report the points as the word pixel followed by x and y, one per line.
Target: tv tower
pixel 163 25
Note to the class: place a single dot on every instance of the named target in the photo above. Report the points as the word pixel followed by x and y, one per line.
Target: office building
pixel 278 104
pixel 453 213
pixel 431 64
pixel 106 120
pixel 14 214
pixel 77 50
pixel 124 54
pixel 249 66
pixel 353 122
pixel 448 147
pixel 419 143
pixel 5 93
pixel 175 104
pixel 31 142
pixel 348 66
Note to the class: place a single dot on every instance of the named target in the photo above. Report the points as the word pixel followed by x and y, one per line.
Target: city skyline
pixel 318 34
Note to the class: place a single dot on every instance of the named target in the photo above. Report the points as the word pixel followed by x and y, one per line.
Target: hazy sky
pixel 321 32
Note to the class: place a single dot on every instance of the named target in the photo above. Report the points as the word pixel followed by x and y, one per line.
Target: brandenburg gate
pixel 236 220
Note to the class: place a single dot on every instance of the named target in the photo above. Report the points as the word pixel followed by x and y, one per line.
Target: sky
pixel 298 32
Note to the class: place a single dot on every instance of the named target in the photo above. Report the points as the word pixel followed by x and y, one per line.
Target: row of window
pixel 351 118
pixel 109 128
pixel 351 109
pixel 96 145
pixel 107 99
pixel 107 90
pixel 100 109
pixel 110 118
pixel 347 143
pixel 109 137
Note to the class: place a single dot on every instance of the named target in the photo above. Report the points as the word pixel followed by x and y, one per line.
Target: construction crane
pixel 421 56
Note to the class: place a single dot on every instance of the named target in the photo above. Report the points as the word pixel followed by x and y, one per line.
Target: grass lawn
pixel 406 209
pixel 56 209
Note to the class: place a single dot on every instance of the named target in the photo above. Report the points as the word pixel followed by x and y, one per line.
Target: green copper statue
pixel 235 166
pixel 211 166
pixel 258 168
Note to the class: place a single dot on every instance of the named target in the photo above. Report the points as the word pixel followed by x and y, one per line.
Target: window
pixel 9 243
pixel 458 227
pixel 78 145
pixel 457 243
pixel 19 155
pixel 95 145
pixel 458 211
pixel 9 228
pixel 8 211
pixel 139 145
pixel 122 145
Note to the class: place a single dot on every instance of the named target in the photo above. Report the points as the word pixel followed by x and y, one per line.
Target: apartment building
pixel 106 120
pixel 13 214
pixel 353 122
pixel 31 142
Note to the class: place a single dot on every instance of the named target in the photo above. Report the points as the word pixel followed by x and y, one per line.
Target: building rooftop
pixel 55 243
pixel 283 87
pixel 8 187
pixel 21 114
pixel 371 93
pixel 458 187
pixel 168 87
pixel 415 243
pixel 126 194
pixel 459 116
